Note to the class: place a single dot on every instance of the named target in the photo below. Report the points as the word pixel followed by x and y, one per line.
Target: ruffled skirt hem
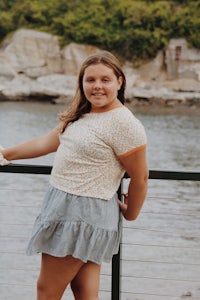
pixel 86 228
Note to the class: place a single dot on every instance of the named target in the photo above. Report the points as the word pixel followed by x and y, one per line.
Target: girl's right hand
pixel 3 161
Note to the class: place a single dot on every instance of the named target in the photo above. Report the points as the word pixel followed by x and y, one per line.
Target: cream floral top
pixel 87 160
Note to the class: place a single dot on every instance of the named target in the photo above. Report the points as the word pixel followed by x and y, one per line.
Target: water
pixel 161 249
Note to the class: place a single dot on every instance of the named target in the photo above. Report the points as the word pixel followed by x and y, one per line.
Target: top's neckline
pixel 106 110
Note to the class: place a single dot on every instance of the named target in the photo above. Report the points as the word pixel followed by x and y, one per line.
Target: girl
pixel 96 141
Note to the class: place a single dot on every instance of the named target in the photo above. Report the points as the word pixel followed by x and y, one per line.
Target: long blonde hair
pixel 80 104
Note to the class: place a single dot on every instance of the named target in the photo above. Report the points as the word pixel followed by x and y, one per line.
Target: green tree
pixel 130 28
pixel 186 23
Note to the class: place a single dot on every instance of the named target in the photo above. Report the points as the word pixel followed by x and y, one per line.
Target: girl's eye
pixel 105 80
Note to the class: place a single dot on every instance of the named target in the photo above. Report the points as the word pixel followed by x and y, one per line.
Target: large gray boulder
pixel 73 56
pixel 33 65
pixel 49 87
pixel 33 53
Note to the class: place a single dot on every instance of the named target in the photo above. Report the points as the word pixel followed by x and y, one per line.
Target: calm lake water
pixel 160 251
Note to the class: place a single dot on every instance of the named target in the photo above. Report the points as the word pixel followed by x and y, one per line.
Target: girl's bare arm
pixel 136 166
pixel 36 147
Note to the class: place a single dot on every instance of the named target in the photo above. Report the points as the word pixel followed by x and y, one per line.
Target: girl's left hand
pixel 123 205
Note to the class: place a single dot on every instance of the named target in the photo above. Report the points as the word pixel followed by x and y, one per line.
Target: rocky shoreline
pixel 33 67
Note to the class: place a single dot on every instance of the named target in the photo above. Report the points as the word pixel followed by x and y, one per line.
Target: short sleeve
pixel 128 136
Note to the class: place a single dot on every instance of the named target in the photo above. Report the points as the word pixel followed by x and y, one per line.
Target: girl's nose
pixel 97 84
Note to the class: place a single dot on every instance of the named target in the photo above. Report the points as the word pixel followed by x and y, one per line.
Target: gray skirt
pixel 86 228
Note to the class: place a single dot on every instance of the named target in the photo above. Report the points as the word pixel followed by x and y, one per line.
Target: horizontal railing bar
pixel 153 174
pixel 173 175
pixel 28 169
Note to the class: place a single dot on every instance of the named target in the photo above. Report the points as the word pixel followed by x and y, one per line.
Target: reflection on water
pixel 170 214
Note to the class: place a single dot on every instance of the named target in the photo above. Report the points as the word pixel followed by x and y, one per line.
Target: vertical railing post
pixel 116 266
pixel 115 292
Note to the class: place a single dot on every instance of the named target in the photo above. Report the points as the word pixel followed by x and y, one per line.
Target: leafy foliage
pixel 130 28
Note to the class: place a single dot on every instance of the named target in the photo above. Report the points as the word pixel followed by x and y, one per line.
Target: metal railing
pixel 154 174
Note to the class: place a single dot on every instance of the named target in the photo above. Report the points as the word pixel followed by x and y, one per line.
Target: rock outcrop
pixel 33 66
pixel 33 53
pixel 181 61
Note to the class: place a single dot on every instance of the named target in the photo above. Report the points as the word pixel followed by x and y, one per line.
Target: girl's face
pixel 100 86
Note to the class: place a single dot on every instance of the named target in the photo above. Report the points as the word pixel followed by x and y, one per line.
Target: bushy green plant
pixel 129 28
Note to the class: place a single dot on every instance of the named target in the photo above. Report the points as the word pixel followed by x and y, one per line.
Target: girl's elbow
pixel 131 216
